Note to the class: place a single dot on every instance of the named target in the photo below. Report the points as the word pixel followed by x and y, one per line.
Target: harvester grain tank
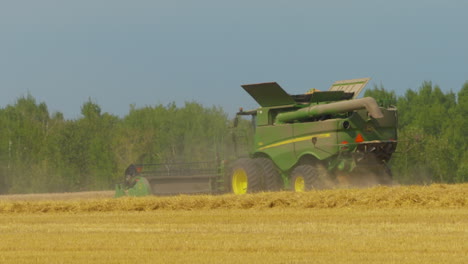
pixel 301 142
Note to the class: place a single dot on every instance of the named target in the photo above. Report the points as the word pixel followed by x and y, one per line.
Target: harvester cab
pixel 314 140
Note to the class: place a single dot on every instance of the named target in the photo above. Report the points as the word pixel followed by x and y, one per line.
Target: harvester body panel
pixel 268 94
pixel 276 142
pixel 354 86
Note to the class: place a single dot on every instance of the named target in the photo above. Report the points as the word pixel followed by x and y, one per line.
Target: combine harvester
pixel 302 142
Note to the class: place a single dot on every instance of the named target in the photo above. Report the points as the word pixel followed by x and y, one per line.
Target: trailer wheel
pixel 245 177
pixel 271 176
pixel 306 178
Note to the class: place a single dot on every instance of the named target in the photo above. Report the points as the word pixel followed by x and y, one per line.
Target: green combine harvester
pixel 315 140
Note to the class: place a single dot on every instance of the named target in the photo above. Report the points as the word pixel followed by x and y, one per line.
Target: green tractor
pixel 316 140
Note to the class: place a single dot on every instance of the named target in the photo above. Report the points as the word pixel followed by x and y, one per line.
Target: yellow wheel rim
pixel 239 181
pixel 299 185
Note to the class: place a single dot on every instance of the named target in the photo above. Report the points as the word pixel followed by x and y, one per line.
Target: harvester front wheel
pixel 305 178
pixel 271 176
pixel 245 177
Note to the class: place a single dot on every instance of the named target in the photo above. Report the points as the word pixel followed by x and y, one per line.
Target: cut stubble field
pixel 376 225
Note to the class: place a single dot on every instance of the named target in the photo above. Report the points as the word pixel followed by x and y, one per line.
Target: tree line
pixel 432 134
pixel 44 152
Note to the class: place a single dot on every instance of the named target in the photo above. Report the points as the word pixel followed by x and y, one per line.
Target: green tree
pixel 384 97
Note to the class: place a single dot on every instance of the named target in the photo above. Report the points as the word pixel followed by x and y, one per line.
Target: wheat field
pixel 405 224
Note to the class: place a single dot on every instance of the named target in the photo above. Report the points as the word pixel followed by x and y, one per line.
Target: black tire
pixel 245 177
pixel 272 180
pixel 305 178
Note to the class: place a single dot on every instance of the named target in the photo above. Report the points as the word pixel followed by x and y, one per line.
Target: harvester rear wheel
pixel 271 176
pixel 245 177
pixel 306 178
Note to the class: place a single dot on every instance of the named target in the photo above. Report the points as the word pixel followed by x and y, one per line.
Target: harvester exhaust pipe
pixel 367 103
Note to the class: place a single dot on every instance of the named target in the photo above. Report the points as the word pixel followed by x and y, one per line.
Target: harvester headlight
pixel 346 125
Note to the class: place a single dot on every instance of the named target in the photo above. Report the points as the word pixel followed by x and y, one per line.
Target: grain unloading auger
pixel 301 142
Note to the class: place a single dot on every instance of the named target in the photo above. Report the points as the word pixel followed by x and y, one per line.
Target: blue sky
pixel 148 52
